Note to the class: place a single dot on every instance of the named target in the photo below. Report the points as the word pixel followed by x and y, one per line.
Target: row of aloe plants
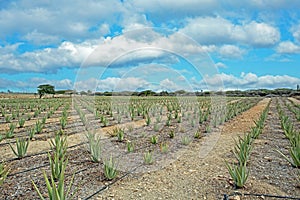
pixel 292 135
pixel 239 171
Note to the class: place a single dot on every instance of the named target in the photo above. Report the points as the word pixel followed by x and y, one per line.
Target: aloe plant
pixel 10 132
pixel 185 140
pixel 110 168
pixel 57 164
pixel 130 146
pixel 94 147
pixel 148 158
pixel 59 144
pixel 63 122
pixel 4 171
pixel 22 146
pixel 148 120
pixel 164 147
pixel 31 133
pixel 21 122
pixel 38 127
pixel 294 154
pixel 239 174
pixel 120 134
pixel 56 191
pixel 154 139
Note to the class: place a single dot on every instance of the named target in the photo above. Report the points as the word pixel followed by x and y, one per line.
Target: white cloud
pixel 249 81
pixel 32 83
pixel 209 30
pixel 168 85
pixel 64 19
pixel 287 47
pixel 296 32
pixel 231 51
pixel 175 9
pixel 47 60
pixel 220 65
pixel 111 83
pixel 41 38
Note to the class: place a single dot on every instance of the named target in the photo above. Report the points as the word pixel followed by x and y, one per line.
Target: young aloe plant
pixel 21 122
pixel 148 158
pixel 185 140
pixel 10 132
pixel 110 169
pixel 38 127
pixel 56 191
pixel 294 154
pixel 22 146
pixel 63 122
pixel 4 171
pixel 120 134
pixel 164 147
pixel 94 147
pixel 31 133
pixel 239 174
pixel 57 164
pixel 130 147
pixel 154 139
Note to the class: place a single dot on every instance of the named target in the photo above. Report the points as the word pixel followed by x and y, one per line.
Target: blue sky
pixel 158 44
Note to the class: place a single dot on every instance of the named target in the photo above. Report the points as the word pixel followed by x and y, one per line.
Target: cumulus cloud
pixel 220 65
pixel 111 83
pixel 287 47
pixel 58 18
pixel 231 51
pixel 32 83
pixel 217 30
pixel 296 32
pixel 250 81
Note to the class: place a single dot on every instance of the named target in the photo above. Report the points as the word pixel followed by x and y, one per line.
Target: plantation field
pixel 150 147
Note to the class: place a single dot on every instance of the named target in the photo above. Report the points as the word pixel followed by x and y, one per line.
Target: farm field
pixel 160 147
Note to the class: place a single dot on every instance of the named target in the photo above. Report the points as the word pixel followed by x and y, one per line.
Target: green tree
pixel 45 89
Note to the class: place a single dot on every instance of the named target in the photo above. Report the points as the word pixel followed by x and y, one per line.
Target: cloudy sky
pixel 158 44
